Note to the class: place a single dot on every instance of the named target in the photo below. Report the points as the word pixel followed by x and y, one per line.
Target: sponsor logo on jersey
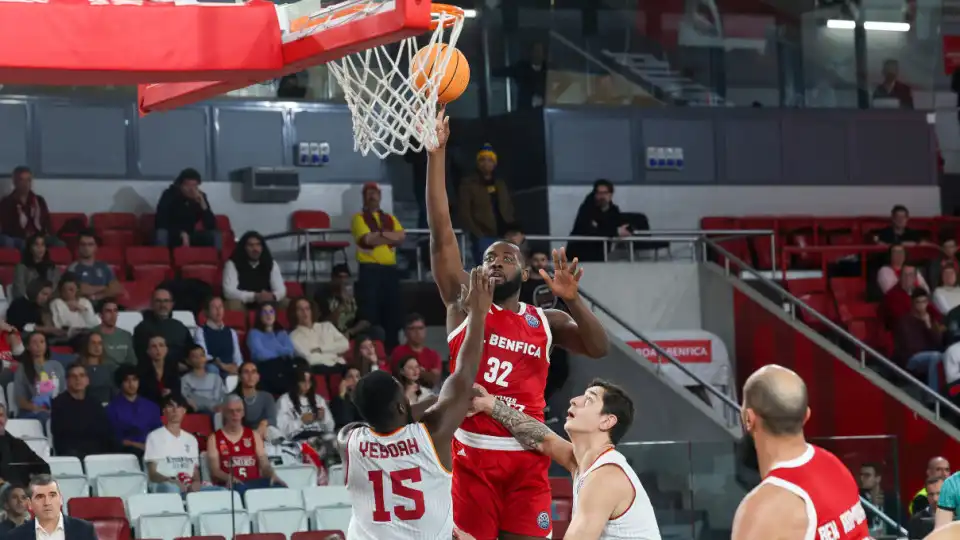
pixel 532 320
pixel 522 347
pixel 462 453
pixel 543 520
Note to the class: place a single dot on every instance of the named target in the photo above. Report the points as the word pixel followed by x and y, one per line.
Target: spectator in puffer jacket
pixel 182 207
pixel 159 321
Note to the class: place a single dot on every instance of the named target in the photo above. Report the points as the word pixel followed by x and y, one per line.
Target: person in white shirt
pixel 172 455
pixel 69 310
pixel 947 295
pixel 251 276
pixel 319 343
pixel 609 503
pixel 301 413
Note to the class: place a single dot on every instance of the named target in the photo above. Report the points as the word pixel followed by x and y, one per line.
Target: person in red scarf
pixel 23 213
pixel 378 234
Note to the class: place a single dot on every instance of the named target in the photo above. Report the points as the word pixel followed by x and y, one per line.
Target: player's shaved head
pixel 779 397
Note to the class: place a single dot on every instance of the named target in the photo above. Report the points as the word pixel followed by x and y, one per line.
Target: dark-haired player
pixel 398 470
pixel 501 490
pixel 609 503
pixel 806 492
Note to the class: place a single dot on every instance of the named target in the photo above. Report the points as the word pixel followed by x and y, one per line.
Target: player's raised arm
pixel 445 261
pixel 530 433
pixel 579 331
pixel 457 392
pixel 771 513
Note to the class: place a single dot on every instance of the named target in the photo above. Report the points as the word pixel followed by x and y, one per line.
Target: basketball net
pixel 391 114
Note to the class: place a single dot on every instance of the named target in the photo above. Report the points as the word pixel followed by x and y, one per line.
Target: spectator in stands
pixel 184 217
pixel 937 467
pixel 272 350
pixel 219 342
pixel 97 280
pixel 71 311
pixel 947 294
pixel 889 275
pixel 921 524
pixel 408 373
pixel 301 412
pixel 17 460
pixel 202 390
pixel 365 357
pixel 428 360
pixel 319 343
pixel 159 321
pixel 918 340
pixel 534 290
pixel 78 422
pixel 16 508
pixel 871 489
pixel 948 257
pixel 235 464
pixel 378 234
pixel 515 236
pixel 172 454
pixel 898 232
pixel 486 204
pixel 597 216
pixel 530 76
pixel 891 88
pixel 251 276
pixel 341 406
pixel 339 306
pixel 132 416
pixel 23 213
pixel 32 313
pixel 159 374
pixel 117 342
pixel 38 380
pixel 259 407
pixel 34 264
pixel 897 302
pixel 101 374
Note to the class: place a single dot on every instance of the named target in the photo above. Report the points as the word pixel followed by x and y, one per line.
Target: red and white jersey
pixel 637 522
pixel 516 358
pixel 829 491
pixel 398 488
pixel 241 456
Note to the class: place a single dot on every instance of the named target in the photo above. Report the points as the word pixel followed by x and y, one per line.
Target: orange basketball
pixel 454 79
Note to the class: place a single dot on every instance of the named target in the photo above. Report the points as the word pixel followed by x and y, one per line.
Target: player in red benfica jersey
pixel 500 489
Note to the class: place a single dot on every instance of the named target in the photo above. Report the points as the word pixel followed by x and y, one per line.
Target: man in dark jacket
pixel 17 460
pixel 597 216
pixel 23 213
pixel 182 207
pixel 158 321
pixel 921 524
pixel 46 503
pixel 78 422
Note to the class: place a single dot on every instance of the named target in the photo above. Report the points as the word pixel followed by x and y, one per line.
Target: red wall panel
pixel 842 401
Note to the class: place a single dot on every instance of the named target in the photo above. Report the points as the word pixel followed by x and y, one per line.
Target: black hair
pixel 413 318
pixel 206 305
pixel 107 301
pixel 8 493
pixel 26 359
pixel 26 256
pixel 398 367
pixel 872 465
pixel 35 286
pixel 83 351
pixel 919 292
pixel 376 397
pixel 73 366
pixel 294 393
pixel 602 182
pixel 124 371
pixel 339 269
pixel 20 169
pixel 258 324
pixel 173 399
pixel 616 402
pixel 88 233
pixel 239 255
pixel 68 277
pixel 188 174
pixel 511 228
pixel 359 362
pixel 899 208
pixel 239 388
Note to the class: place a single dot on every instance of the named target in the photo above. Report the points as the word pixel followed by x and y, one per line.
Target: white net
pixel 391 114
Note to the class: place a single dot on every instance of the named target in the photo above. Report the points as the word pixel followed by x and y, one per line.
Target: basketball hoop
pixel 391 113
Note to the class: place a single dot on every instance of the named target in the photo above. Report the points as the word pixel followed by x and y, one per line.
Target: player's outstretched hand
pixel 480 292
pixel 482 401
pixel 443 129
pixel 565 282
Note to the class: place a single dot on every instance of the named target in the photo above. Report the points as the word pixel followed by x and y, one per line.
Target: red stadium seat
pixel 97 508
pixel 120 238
pixel 60 255
pixel 76 221
pixel 151 273
pixel 111 255
pixel 323 387
pixel 261 536
pixel 137 295
pixel 62 349
pixel 223 223
pixel 200 538
pixel 183 256
pixel 848 289
pixel 201 425
pixel 6 276
pixel 235 319
pixel 318 535
pixel 148 226
pixel 137 256
pixel 205 273
pixel 111 529
pixel 106 221
pixel 315 219
pixel 294 289
pixel 9 257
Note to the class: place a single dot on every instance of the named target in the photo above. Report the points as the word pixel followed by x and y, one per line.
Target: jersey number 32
pixel 399 489
pixel 497 371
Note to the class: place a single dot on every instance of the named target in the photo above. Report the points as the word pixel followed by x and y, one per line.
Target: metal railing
pixel 865 350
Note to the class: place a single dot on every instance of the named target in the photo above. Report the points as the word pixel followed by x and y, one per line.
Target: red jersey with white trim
pixel 829 491
pixel 516 358
pixel 241 455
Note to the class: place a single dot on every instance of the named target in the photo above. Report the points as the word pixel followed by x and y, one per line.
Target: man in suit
pixel 49 522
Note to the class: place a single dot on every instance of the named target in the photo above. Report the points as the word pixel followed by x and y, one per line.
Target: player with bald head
pixel 806 492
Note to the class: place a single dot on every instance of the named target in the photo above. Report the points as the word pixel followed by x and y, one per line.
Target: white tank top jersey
pixel 638 522
pixel 398 488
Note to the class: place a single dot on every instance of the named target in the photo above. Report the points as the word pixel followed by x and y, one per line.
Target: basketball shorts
pixel 501 491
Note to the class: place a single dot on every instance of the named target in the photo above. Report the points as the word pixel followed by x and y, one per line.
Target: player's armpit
pixel 579 331
pixel 606 493
pixel 770 513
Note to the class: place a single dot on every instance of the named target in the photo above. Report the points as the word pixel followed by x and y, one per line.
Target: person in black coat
pixel 597 216
pixel 47 503
pixel 182 207
pixel 17 460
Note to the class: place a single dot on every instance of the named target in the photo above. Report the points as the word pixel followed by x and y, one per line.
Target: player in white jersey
pixel 609 503
pixel 398 470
